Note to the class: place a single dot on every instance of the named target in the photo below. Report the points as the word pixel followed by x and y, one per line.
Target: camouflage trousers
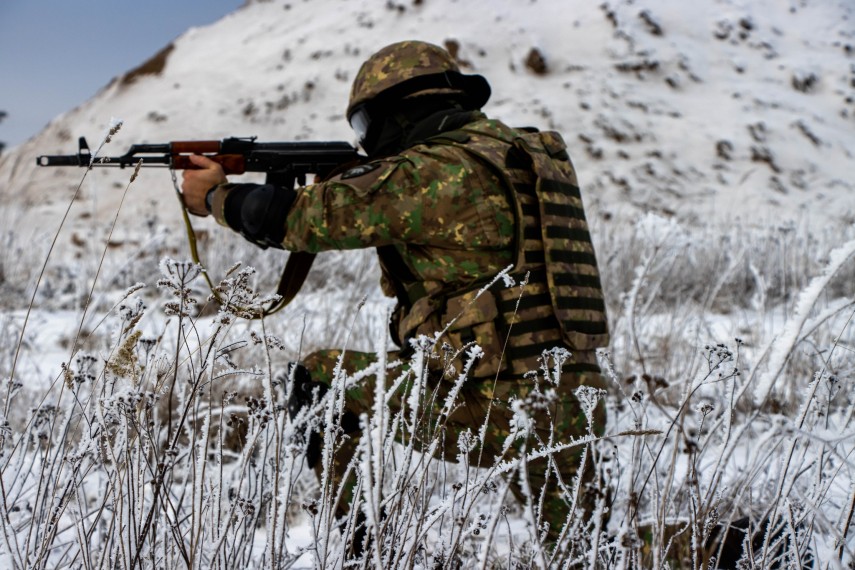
pixel 556 420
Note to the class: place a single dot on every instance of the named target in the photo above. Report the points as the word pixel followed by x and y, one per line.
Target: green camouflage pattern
pixel 394 64
pixel 444 205
pixel 444 210
pixel 450 218
pixel 563 246
pixel 559 420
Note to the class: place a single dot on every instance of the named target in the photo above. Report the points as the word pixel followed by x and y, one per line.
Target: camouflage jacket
pixel 445 212
pixel 447 215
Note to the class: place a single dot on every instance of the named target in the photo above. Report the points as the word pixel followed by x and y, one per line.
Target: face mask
pixel 360 122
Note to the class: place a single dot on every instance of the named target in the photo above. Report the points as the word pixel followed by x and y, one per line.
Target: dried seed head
pixel 67 375
pixel 136 170
pixel 115 125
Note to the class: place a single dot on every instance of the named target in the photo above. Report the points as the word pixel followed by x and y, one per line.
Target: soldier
pixel 450 198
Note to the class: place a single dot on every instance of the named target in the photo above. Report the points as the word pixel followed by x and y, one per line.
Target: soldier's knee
pixel 321 365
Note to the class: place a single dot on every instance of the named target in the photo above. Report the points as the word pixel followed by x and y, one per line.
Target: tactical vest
pixel 557 299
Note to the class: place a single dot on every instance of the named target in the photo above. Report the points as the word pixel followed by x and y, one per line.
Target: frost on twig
pixel 115 125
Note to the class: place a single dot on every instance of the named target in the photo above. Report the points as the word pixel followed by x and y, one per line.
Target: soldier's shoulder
pixel 369 175
pixel 360 170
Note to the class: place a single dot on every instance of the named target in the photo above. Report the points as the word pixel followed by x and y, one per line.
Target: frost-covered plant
pixel 167 444
pixel 148 458
pixel 132 459
pixel 727 461
pixel 165 451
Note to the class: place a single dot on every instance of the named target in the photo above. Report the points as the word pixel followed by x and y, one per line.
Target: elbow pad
pixel 258 212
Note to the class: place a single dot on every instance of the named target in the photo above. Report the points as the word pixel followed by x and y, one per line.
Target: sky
pixel 56 54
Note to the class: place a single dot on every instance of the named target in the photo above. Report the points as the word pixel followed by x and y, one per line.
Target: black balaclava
pixel 412 120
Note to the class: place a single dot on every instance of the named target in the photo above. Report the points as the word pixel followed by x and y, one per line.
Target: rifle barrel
pixel 237 155
pixel 117 161
pixel 59 160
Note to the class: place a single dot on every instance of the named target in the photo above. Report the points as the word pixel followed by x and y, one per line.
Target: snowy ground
pixel 713 142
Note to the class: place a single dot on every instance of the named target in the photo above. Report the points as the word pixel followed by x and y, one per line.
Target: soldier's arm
pixel 428 197
pixel 435 199
pixel 323 216
pixel 360 208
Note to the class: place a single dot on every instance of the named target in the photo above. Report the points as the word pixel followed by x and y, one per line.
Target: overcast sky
pixel 56 54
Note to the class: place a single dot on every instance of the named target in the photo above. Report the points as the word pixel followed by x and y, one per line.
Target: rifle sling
pixel 293 276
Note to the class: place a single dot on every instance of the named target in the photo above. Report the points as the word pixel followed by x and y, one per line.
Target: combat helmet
pixel 406 69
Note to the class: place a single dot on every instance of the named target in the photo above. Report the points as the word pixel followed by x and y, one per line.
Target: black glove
pixel 258 212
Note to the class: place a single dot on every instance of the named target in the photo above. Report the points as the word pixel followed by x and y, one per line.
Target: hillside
pixel 143 424
pixel 716 111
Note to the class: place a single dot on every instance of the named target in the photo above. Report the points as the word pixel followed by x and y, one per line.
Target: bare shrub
pixel 730 416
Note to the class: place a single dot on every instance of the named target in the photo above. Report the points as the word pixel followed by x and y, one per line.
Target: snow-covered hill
pixel 733 118
pixel 710 110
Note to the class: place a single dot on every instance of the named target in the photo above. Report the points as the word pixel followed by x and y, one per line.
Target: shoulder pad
pixel 549 142
pixel 554 144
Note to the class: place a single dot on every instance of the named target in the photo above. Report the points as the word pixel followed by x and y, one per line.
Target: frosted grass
pixel 166 444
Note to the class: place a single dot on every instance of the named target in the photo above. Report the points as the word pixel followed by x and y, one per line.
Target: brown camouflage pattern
pixel 445 207
pixel 444 210
pixel 449 216
pixel 561 420
pixel 566 232
pixel 396 63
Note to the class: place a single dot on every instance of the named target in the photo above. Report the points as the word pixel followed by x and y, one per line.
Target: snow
pixel 282 71
pixel 738 115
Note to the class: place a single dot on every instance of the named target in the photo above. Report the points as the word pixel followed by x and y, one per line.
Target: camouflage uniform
pixel 451 220
pixel 446 216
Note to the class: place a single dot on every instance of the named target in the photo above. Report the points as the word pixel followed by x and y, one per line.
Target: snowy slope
pixel 706 111
pixel 714 110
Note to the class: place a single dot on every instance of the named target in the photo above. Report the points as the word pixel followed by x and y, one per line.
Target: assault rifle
pixel 285 163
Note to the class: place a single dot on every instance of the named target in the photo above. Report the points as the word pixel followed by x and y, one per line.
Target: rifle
pixel 281 161
pixel 284 163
